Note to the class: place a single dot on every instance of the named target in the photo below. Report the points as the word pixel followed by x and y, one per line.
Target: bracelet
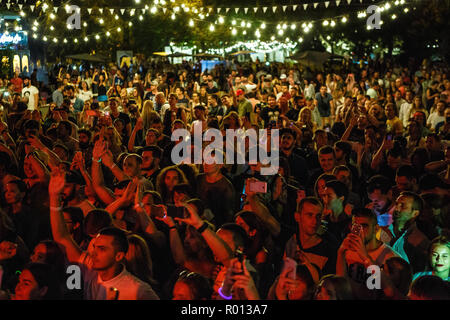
pixel 172 227
pixel 56 208
pixel 99 160
pixel 114 165
pixel 224 296
pixel 202 228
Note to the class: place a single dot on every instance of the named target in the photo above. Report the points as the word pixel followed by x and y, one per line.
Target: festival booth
pixel 14 50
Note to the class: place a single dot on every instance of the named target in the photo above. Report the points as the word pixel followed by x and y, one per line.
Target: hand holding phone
pixel 257 186
pixel 356 229
pixel 290 268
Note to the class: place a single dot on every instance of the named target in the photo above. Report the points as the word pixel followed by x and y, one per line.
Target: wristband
pixel 114 165
pixel 202 228
pixel 56 208
pixel 172 227
pixel 224 296
pixel 99 160
pixel 138 205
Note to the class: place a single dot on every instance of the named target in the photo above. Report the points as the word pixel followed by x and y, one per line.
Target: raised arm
pixel 59 230
pixel 256 206
pixel 220 249
pixel 144 219
pixel 53 159
pixel 139 126
pixel 105 195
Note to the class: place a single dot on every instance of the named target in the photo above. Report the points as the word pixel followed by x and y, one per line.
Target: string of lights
pixel 211 22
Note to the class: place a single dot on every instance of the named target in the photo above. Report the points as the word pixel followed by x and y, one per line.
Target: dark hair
pixel 199 285
pixel 326 150
pixel 55 257
pixel 417 200
pixel 120 241
pixel 20 185
pixel 343 289
pixel 345 147
pixel 340 189
pixel 311 200
pixel 378 182
pixel 156 197
pixel 406 171
pixel 365 213
pixel 67 125
pixel 44 275
pixel 96 220
pixel 86 132
pixel 403 274
pixel 156 151
pixel 303 274
pixel 240 237
pixel 141 264
pixel 430 288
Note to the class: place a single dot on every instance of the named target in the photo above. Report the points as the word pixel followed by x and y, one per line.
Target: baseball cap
pixel 268 77
pixel 283 76
pixel 239 92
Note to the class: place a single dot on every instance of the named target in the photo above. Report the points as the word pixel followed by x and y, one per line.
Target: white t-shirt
pixel 358 274
pixel 30 92
pixel 404 113
pixel 434 119
pixel 128 286
pixel 85 95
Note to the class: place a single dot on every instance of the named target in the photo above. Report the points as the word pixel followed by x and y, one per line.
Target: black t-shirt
pixel 219 197
pixel 267 113
pixel 122 116
pixel 292 114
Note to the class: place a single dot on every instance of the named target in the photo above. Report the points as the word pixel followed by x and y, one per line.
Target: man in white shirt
pixel 361 249
pixel 30 94
pixel 405 109
pixel 104 275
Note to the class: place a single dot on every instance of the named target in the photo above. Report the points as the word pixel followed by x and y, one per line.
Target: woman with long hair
pixel 138 260
pixel 166 180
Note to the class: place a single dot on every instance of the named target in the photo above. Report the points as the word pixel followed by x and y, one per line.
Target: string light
pixel 221 20
pixel 211 28
pixel 263 25
pixel 153 10
pixel 191 23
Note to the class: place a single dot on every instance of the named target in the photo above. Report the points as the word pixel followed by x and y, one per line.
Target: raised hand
pixel 245 282
pixel 57 182
pixel 7 250
pixel 193 219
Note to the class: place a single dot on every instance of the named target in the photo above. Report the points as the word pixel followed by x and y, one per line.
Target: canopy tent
pixel 178 55
pixel 88 57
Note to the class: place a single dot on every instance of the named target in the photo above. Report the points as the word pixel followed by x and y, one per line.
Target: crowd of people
pixel 87 180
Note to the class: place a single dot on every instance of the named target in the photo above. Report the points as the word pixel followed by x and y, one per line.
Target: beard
pixel 84 145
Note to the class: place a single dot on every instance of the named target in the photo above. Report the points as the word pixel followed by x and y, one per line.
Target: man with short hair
pixel 31 94
pixel 361 249
pixel 104 274
pixel 404 236
pixel 270 113
pixel 57 95
pixel 297 164
pixel 161 106
pixel 151 158
pixel 325 104
pixel 306 245
pixel 327 163
pixel 377 190
pixel 244 105
pixel 76 104
pixel 71 196
pixel 405 179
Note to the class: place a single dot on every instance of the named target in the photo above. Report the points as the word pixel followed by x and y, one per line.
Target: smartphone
pixel 175 212
pixel 257 186
pixel 158 211
pixel 240 256
pixel 290 267
pixel 356 229
pixel 107 113
pixel 389 137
